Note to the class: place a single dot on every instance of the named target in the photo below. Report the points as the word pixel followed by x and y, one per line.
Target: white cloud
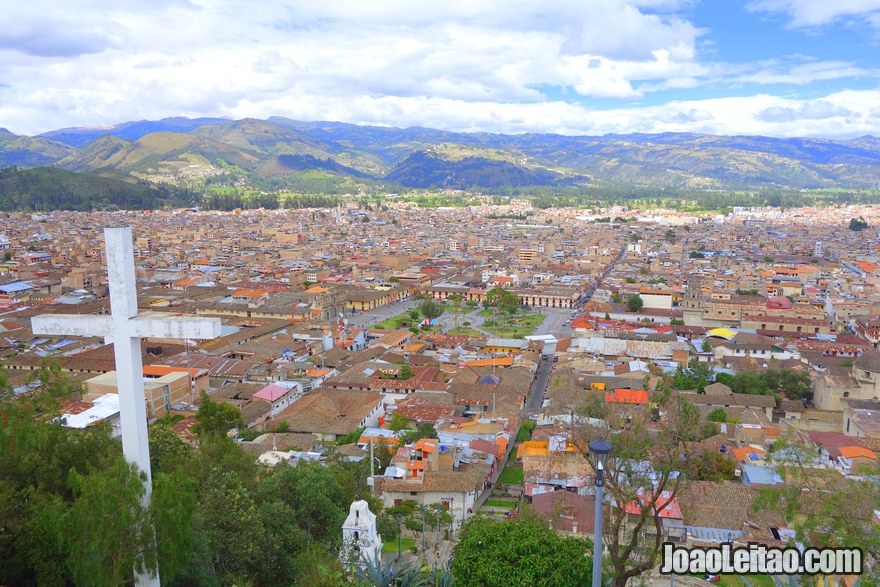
pixel 812 13
pixel 454 64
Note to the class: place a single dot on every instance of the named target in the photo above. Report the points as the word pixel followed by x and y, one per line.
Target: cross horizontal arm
pixel 72 325
pixel 144 326
pixel 177 327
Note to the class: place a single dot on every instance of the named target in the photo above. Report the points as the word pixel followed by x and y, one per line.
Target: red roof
pixel 668 506
pixel 627 396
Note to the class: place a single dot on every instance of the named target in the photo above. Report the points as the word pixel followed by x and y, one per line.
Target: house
pixel 80 414
pixel 666 506
pixel 330 414
pixel 627 396
pixel 764 403
pixel 430 473
pixel 861 418
pixel 713 513
pixel 279 395
pixel 160 393
pixel 853 458
pixel 566 512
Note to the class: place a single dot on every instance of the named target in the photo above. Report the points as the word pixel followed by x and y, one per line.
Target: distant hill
pixel 129 131
pixel 30 152
pixel 452 165
pixel 276 153
pixel 48 188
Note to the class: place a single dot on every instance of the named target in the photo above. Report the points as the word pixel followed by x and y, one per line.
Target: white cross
pixel 126 328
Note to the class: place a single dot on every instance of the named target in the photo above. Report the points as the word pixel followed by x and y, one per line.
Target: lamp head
pixel 599 451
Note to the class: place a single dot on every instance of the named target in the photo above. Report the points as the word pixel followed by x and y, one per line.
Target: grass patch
pixel 401 322
pixel 737 581
pixel 500 503
pixel 512 476
pixel 405 544
pixel 516 326
pixel 463 331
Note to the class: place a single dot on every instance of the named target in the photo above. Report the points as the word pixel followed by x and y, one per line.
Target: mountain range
pixel 189 151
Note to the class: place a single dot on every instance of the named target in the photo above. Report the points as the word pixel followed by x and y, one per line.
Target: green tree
pixel 825 508
pixel 634 303
pixel 717 415
pixel 697 376
pixel 858 224
pixel 216 417
pixel 456 301
pixel 430 309
pixel 522 552
pixel 509 303
pixel 398 422
pixel 710 465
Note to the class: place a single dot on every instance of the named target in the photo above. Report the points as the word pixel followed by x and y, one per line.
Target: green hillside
pixel 280 153
pixel 30 152
pixel 47 188
pixel 451 166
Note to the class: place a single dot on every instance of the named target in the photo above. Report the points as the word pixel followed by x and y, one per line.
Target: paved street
pixel 366 319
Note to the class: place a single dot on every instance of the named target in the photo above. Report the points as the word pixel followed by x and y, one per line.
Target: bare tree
pixel 648 469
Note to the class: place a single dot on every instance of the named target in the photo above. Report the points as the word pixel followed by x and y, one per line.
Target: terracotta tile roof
pixel 469 477
pixel 850 452
pixel 627 396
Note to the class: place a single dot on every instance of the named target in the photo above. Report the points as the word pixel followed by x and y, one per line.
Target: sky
pixel 732 67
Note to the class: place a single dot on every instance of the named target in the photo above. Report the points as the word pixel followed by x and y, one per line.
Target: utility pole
pixel 438 526
pixel 372 471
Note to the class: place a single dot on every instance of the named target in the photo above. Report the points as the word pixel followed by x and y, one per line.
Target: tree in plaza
pixel 519 552
pixel 430 309
pixel 509 304
pixel 649 464
pixel 456 300
pixel 501 300
pixel 216 417
pixel 634 303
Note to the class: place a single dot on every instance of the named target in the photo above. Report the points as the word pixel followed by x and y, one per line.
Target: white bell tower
pixel 360 537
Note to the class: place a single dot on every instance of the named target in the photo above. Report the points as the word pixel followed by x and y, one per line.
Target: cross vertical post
pixel 127 352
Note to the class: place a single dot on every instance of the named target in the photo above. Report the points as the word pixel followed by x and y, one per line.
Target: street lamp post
pixel 399 517
pixel 599 451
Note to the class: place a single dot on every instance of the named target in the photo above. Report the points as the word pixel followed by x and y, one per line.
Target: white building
pixel 360 536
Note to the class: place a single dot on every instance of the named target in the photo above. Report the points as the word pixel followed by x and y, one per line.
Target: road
pixel 539 386
pixel 555 322
pixel 532 406
pixel 366 319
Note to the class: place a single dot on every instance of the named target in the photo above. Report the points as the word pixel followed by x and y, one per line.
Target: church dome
pixel 779 303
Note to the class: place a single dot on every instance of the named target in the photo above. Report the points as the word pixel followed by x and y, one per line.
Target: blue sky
pixel 772 67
